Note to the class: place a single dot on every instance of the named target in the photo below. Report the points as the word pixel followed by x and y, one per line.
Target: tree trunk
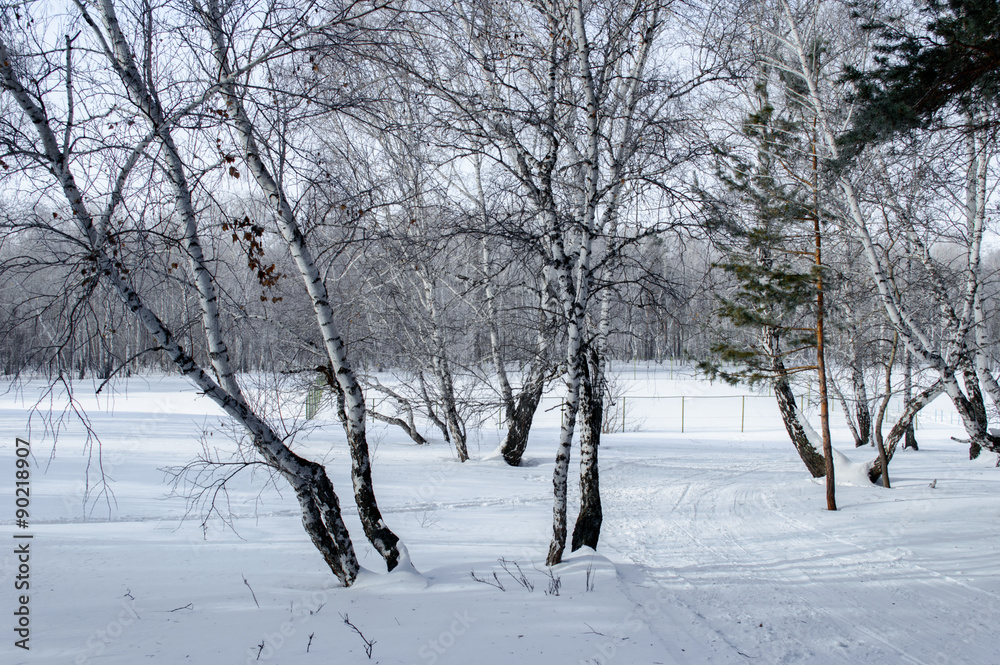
pixel 560 474
pixel 978 408
pixel 910 438
pixel 148 103
pixel 441 367
pixel 814 461
pixel 883 457
pixel 824 404
pixel 321 514
pixel 520 411
pixel 898 430
pixel 338 395
pixel 406 426
pixel 430 409
pixel 571 406
pixel 519 421
pixel 862 414
pixel 446 397
pixel 587 530
pixel 848 418
pixel 381 537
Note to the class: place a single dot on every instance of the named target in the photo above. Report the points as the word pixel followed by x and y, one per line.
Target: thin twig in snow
pixel 251 591
pixel 368 643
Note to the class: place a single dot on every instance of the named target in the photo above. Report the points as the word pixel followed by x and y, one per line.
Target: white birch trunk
pixel 320 509
pixel 381 537
pixel 124 64
pixel 915 339
pixel 442 369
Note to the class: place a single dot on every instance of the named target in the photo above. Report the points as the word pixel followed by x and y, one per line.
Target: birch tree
pixel 223 42
pixel 100 226
pixel 561 97
pixel 955 359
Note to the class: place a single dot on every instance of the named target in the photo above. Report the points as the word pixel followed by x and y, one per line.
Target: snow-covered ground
pixel 715 549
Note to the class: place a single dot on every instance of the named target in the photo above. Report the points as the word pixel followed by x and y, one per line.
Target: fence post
pixel 623 414
pixel 743 414
pixel 314 398
pixel 682 414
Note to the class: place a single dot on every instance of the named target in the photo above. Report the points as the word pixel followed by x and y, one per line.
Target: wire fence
pixel 685 413
pixel 678 413
pixel 732 413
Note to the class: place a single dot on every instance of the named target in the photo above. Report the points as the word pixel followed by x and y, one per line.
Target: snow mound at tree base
pixel 404 577
pixel 849 473
pixel 583 560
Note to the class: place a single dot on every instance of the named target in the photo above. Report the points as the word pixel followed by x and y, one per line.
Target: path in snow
pixel 734 549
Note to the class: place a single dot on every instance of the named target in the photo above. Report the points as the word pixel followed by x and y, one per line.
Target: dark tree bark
pixel 977 407
pixel 587 530
pixel 910 438
pixel 862 414
pixel 812 458
pixel 520 419
pixel 898 430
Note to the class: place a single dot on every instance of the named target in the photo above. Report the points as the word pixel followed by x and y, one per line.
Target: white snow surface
pixel 715 548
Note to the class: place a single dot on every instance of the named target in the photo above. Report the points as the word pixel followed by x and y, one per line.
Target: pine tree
pixel 953 62
pixel 763 225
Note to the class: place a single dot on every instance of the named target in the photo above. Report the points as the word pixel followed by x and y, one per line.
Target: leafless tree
pixel 163 131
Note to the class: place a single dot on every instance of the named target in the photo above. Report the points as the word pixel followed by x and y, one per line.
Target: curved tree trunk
pixel 430 409
pixel 404 425
pixel 812 458
pixel 846 408
pixel 883 457
pixel 456 427
pixel 519 421
pixel 905 421
pixel 519 411
pixel 407 424
pixel 321 515
pixel 148 103
pixel 381 537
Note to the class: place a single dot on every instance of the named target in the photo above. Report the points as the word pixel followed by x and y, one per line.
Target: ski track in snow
pixel 718 543
pixel 796 594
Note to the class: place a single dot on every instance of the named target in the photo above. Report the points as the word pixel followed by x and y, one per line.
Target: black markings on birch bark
pixel 381 537
pixel 321 511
